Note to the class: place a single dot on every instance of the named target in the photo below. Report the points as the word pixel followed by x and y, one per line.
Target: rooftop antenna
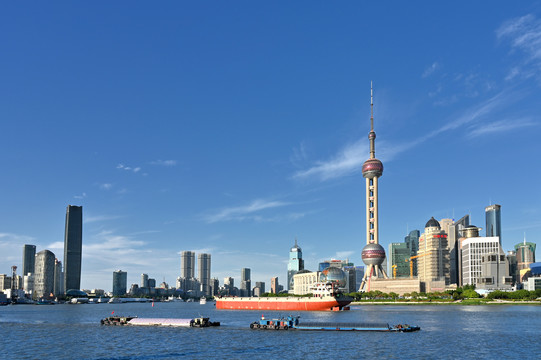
pixel 371 107
pixel 524 237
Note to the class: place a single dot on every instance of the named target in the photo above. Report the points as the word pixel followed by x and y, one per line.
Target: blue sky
pixel 233 127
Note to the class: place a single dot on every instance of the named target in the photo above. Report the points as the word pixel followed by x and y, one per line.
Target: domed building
pixel 335 275
pixel 433 261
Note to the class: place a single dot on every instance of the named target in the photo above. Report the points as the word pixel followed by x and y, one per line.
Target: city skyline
pixel 234 129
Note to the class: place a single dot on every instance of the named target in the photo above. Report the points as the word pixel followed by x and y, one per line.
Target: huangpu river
pixel 447 332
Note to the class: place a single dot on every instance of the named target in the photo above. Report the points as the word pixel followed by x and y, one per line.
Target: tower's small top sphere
pixel 372 135
pixel 372 168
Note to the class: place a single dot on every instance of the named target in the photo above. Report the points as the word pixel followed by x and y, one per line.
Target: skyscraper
pixel 44 274
pixel 120 282
pixel 373 253
pixel 453 236
pixel 493 221
pixel 274 285
pixel 412 242
pixel 245 282
pixel 187 264
pixel 295 264
pixel 144 280
pixel 398 253
pixel 204 272
pixel 525 252
pixel 29 258
pixel 58 278
pixel 73 246
pixel 433 263
pixel 473 249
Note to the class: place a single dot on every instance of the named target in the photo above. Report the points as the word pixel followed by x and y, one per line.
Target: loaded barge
pixel 292 322
pixel 136 321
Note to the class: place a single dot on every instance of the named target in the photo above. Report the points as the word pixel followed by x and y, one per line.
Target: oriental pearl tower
pixel 373 253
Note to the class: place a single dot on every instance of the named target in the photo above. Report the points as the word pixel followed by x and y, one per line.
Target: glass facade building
pixel 120 283
pixel 73 246
pixel 398 253
pixel 493 221
pixel 29 258
pixel 294 265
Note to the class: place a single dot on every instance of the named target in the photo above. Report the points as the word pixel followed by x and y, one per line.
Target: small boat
pixel 292 322
pixel 203 300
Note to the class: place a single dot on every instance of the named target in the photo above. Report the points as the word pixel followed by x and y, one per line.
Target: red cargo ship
pixel 325 298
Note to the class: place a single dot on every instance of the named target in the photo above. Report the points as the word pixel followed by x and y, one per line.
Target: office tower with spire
pixel 294 265
pixel 73 247
pixel 493 221
pixel 525 252
pixel 373 253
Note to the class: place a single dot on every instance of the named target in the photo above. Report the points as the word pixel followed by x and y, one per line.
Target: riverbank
pixel 439 302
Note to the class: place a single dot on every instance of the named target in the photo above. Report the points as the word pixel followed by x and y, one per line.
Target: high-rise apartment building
pixel 295 264
pixel 44 275
pixel 187 264
pixel 144 280
pixel 214 286
pixel 5 282
pixel 204 273
pixel 73 247
pixel 493 221
pixel 120 283
pixel 29 259
pixel 229 285
pixel 274 285
pixel 433 262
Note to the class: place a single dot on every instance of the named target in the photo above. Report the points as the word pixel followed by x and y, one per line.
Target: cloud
pixel 128 168
pixel 500 126
pixel 91 219
pixel 82 196
pixel 246 212
pixel 106 186
pixel 431 69
pixel 349 160
pixel 342 255
pixel 164 162
pixel 299 154
pixel 524 35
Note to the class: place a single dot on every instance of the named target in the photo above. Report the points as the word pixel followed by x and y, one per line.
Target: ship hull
pixel 281 304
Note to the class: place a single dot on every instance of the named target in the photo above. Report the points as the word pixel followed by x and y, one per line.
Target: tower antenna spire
pixel 371 107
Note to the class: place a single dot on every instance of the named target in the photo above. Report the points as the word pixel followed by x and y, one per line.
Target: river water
pixel 447 332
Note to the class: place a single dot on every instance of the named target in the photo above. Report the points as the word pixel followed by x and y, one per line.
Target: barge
pixel 136 321
pixel 292 322
pixel 325 297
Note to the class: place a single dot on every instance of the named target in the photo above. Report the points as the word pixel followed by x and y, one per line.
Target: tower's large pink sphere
pixel 373 254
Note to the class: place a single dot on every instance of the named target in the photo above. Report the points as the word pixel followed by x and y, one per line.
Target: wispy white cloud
pixel 106 186
pixel 299 154
pixel 524 34
pixel 11 248
pixel 343 255
pixel 164 162
pixel 128 168
pixel 500 126
pixel 82 196
pixel 97 218
pixel 245 212
pixel 431 69
pixel 349 160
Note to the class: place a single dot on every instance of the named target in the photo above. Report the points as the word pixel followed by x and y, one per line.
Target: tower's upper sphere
pixel 372 168
pixel 372 135
pixel 373 254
